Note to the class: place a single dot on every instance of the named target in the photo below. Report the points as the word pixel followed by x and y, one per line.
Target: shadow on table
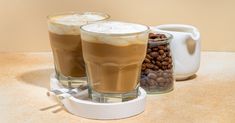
pixel 188 79
pixel 39 77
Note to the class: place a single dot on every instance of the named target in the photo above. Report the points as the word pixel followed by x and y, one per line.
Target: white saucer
pixel 84 107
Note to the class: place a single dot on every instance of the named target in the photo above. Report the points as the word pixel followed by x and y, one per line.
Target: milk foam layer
pixel 70 23
pixel 115 33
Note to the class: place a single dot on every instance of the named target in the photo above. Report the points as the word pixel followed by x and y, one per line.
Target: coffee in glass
pixel 64 32
pixel 113 53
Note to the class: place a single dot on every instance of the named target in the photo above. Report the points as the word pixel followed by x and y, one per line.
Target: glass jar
pixel 157 68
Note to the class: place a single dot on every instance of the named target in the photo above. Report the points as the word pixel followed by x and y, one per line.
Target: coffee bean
pixel 167 53
pixel 164 67
pixel 163 36
pixel 160 80
pixel 159 74
pixel 143 67
pixel 169 66
pixel 154 54
pixel 149 50
pixel 169 71
pixel 143 82
pixel 159 64
pixel 161 52
pixel 151 82
pixel 149 65
pixel 147 71
pixel 155 49
pixel 165 74
pixel 161 84
pixel 169 60
pixel 155 67
pixel 148 56
pixel 165 63
pixel 163 55
pixel 168 80
pixel 168 49
pixel 160 47
pixel 147 60
pixel 159 58
pixel 165 49
pixel 152 75
pixel 166 59
pixel 152 36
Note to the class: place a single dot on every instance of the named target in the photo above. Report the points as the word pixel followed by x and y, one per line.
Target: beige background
pixel 23 22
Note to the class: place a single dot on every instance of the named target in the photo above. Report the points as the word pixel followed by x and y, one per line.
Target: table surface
pixel 208 97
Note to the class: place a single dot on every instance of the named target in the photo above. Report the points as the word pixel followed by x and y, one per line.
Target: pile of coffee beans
pixel 157 68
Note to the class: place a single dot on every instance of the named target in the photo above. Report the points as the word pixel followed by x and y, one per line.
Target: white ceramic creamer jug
pixel 185 48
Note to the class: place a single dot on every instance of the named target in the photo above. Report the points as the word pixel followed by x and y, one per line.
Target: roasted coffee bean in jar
pixel 157 68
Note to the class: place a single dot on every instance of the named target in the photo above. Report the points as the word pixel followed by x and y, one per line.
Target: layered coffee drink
pixel 64 32
pixel 113 53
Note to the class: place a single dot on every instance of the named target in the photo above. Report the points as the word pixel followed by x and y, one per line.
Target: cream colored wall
pixel 23 22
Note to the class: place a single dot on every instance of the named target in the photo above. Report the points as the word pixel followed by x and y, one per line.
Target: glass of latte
pixel 113 52
pixel 64 33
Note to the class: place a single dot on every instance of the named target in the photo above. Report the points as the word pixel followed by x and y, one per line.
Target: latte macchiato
pixel 113 52
pixel 64 31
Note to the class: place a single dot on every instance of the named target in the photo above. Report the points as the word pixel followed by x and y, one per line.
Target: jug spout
pixel 179 28
pixel 195 35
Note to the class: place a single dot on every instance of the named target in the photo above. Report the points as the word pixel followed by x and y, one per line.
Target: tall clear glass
pixel 113 53
pixel 64 33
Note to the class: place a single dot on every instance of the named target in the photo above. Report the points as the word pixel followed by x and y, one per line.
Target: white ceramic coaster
pixel 83 107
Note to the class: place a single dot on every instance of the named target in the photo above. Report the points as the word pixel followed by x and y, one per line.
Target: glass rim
pixel 105 15
pixel 121 34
